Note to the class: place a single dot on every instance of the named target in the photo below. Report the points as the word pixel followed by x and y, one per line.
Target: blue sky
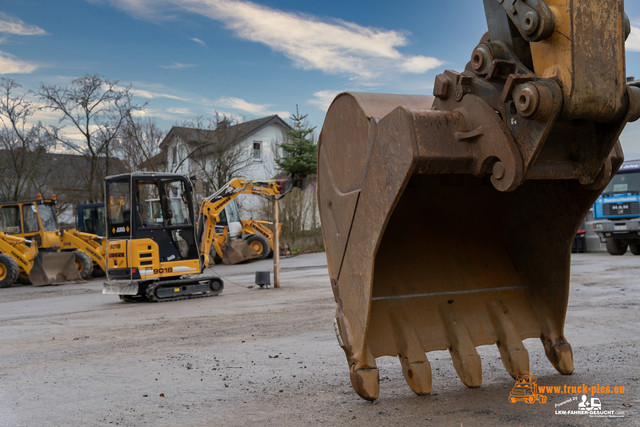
pixel 193 57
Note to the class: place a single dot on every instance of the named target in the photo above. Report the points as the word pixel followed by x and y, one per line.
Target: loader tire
pixel 616 246
pixel 259 244
pixel 214 256
pixel 8 271
pixel 98 272
pixel 84 264
pixel 23 279
pixel 634 248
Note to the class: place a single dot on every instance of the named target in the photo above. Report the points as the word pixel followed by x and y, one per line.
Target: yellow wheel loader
pixel 153 249
pixel 19 258
pixel 493 174
pixel 36 221
pixel 91 245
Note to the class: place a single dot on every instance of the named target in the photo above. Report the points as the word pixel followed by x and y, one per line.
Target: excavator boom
pixel 492 176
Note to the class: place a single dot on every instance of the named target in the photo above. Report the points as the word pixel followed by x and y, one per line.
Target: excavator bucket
pixel 238 251
pixel 448 221
pixel 54 268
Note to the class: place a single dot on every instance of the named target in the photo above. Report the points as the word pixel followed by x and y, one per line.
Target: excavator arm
pixel 448 220
pixel 210 214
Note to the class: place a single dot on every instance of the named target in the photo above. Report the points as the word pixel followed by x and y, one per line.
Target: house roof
pixel 66 174
pixel 70 171
pixel 241 130
pixel 157 162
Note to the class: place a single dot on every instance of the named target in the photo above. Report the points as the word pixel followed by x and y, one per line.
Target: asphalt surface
pixel 70 356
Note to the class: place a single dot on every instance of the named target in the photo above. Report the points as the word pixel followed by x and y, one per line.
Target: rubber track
pixel 153 298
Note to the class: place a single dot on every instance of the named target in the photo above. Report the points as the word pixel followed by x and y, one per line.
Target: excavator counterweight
pixel 448 220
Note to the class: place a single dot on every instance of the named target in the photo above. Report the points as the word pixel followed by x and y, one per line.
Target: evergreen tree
pixel 299 158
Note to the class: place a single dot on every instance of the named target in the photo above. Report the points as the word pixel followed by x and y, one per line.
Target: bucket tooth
pixel 363 370
pixel 365 377
pixel 464 355
pixel 513 353
pixel 415 365
pixel 559 353
pixel 417 374
pixel 365 382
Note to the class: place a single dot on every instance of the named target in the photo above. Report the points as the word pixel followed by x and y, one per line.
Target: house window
pixel 175 155
pixel 257 150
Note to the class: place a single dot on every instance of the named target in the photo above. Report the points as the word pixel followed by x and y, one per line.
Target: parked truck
pixel 617 211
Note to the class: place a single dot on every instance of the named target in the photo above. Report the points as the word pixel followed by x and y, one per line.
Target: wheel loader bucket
pixel 425 253
pixel 54 268
pixel 238 251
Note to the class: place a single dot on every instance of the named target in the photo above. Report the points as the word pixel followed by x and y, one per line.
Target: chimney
pixel 223 124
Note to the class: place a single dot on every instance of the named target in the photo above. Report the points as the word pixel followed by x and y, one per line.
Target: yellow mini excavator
pixel 154 251
pixel 493 175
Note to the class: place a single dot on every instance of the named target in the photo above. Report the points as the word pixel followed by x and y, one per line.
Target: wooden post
pixel 276 245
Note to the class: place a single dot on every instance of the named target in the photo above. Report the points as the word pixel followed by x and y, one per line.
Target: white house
pixel 248 148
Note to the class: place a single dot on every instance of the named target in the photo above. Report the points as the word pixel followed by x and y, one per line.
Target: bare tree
pixel 215 150
pixel 138 144
pixel 97 108
pixel 23 143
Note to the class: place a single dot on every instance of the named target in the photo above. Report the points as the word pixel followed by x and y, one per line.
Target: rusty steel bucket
pixel 427 253
pixel 448 221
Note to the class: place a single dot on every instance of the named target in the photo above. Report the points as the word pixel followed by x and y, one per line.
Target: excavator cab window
pixel 149 209
pixel 118 208
pixel 177 202
pixel 232 210
pixel 10 219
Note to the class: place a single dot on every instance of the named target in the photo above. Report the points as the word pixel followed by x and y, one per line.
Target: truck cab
pixel 617 211
pixel 91 218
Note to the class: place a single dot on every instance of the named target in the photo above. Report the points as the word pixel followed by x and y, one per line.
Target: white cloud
pixel 249 107
pixel 335 47
pixel 283 114
pixel 323 99
pixel 182 111
pixel 242 105
pixel 633 42
pixel 11 25
pixel 199 41
pixel 420 64
pixel 9 64
pixel 177 66
pixel 147 94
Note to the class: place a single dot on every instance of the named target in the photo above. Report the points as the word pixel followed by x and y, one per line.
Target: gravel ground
pixel 72 357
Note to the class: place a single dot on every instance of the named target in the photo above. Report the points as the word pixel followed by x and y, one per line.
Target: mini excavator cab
pixel 150 227
pixel 151 249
